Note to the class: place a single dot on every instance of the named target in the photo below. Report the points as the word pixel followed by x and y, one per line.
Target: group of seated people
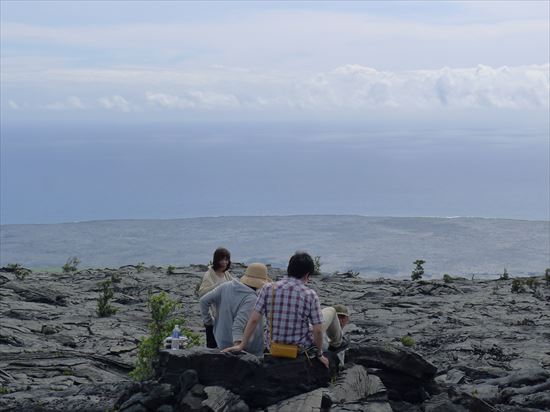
pixel 253 312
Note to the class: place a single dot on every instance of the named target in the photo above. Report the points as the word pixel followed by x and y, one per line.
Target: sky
pixel 78 77
pixel 272 60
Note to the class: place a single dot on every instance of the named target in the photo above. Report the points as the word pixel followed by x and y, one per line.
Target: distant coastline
pixel 374 246
pixel 100 220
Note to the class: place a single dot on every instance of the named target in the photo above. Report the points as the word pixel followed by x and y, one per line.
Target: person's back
pixel 235 301
pixel 292 310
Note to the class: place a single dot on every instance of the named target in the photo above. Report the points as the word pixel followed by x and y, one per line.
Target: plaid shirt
pixel 296 308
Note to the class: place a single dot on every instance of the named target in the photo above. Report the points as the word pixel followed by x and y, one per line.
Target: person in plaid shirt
pixel 296 307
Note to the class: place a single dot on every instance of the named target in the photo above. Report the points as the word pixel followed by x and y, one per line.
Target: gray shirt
pixel 235 302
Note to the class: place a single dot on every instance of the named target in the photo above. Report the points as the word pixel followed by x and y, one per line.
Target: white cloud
pixel 71 102
pixel 168 101
pixel 194 100
pixel 346 88
pixel 116 103
pixel 13 105
pixel 355 86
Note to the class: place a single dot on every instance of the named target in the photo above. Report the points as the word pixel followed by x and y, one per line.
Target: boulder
pixel 391 358
pixel 259 384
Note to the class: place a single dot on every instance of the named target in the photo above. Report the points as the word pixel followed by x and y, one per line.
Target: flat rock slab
pixel 356 384
pixel 305 402
pixel 476 332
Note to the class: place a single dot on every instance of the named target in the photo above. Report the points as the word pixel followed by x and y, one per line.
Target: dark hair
pixel 219 254
pixel 300 265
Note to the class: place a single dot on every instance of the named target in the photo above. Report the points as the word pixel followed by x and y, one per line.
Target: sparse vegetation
pixel 418 271
pixel 505 275
pixel 140 267
pixel 547 276
pixel 407 340
pixel 517 286
pixel 170 270
pixel 19 271
pixel 317 265
pixel 4 390
pixel 71 265
pixel 161 307
pixel 115 277
pixel 104 308
pixel 533 283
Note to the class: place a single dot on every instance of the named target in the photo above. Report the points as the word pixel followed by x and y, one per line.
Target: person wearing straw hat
pixel 235 301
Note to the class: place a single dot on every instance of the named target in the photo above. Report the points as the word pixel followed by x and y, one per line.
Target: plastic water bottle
pixel 176 337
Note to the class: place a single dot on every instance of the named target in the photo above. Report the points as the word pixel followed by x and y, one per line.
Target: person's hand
pixel 324 360
pixel 236 348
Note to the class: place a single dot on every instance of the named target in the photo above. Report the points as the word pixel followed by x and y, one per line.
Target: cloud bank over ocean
pixel 349 87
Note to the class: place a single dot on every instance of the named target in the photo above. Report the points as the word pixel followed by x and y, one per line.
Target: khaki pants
pixel 331 327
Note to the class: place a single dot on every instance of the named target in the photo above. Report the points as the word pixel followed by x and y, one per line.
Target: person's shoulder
pixel 310 292
pixel 265 290
pixel 231 284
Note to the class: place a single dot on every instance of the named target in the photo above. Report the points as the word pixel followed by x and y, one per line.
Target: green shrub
pixel 418 271
pixel 407 340
pixel 71 264
pixel 4 390
pixel 447 278
pixel 532 283
pixel 140 267
pixel 115 277
pixel 517 286
pixel 170 270
pixel 19 271
pixel 104 308
pixel 317 265
pixel 161 308
pixel 505 275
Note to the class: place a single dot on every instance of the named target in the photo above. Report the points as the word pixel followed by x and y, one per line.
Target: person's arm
pixel 318 341
pixel 255 318
pixel 212 297
pixel 317 328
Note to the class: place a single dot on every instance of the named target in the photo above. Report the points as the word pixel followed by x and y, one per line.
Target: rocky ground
pixel 487 343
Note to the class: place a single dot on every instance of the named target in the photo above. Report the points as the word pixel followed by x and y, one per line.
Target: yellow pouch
pixel 284 350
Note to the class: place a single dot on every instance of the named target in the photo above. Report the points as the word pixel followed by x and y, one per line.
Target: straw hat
pixel 255 275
